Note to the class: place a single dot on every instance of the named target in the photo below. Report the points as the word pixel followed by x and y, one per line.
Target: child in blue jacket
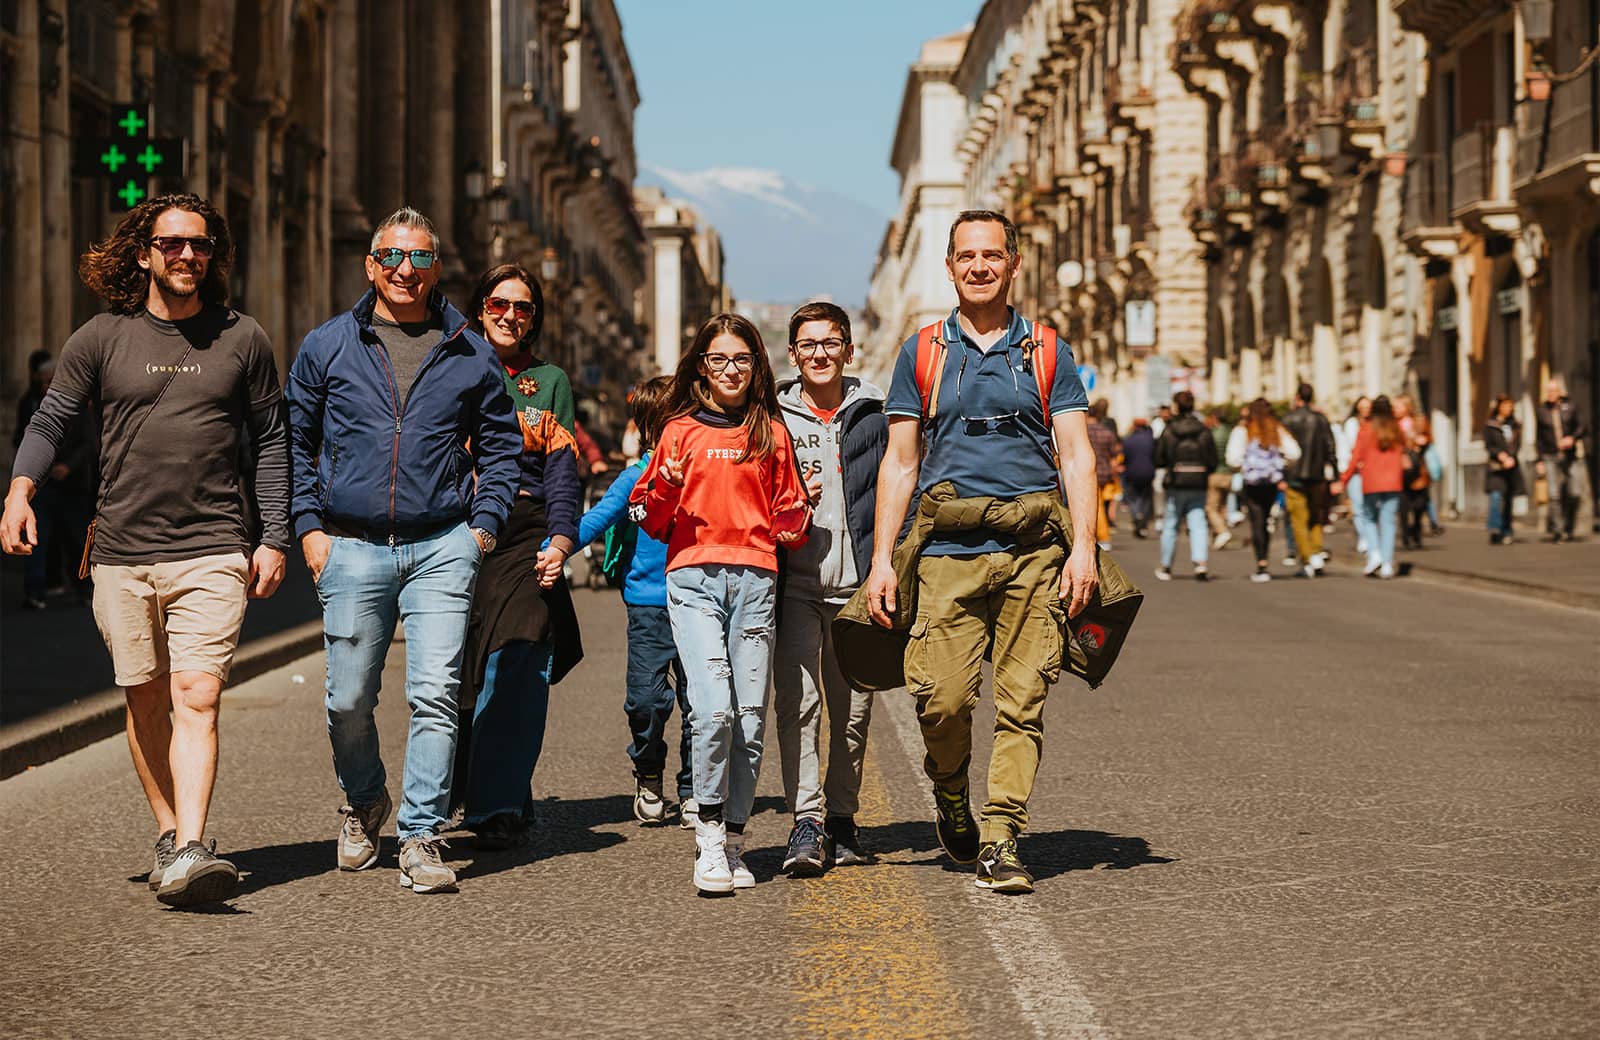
pixel 652 655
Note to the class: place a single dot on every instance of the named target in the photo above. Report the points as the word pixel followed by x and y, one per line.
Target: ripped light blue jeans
pixel 722 621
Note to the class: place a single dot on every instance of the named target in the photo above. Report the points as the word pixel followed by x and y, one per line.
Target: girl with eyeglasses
pixel 724 492
pixel 523 632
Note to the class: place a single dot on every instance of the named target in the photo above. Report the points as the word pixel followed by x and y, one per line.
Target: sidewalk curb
pixel 63 730
pixel 1484 583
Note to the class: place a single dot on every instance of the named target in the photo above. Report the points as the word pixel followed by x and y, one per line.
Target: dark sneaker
pixel 359 842
pixel 804 858
pixel 196 876
pixel 845 846
pixel 501 831
pixel 999 869
pixel 166 852
pixel 421 869
pixel 958 832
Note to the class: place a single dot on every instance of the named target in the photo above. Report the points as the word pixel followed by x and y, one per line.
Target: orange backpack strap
pixel 1044 365
pixel 930 367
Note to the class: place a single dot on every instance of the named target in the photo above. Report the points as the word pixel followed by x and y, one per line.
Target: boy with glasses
pixel 172 555
pixel 839 435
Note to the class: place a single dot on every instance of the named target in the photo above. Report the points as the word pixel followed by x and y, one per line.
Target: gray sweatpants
pixel 806 674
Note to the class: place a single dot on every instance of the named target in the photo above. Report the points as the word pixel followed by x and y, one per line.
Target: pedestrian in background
pixel 1305 498
pixel 1418 478
pixel 1502 441
pixel 1107 465
pixel 522 632
pixel 839 436
pixel 724 493
pixel 63 505
pixel 1378 459
pixel 1187 452
pixel 655 679
pixel 1261 450
pixel 170 548
pixel 395 513
pixel 1559 433
pixel 1139 474
pixel 1350 432
pixel 1219 485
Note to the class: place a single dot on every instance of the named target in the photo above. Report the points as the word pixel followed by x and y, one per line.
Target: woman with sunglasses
pixel 523 633
pixel 724 492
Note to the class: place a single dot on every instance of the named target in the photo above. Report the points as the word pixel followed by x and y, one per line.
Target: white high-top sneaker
pixel 742 878
pixel 711 873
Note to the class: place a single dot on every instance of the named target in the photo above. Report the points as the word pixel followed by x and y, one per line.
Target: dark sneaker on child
pixel 958 832
pixel 501 831
pixel 649 807
pixel 166 852
pixel 999 869
pixel 804 857
pixel 359 840
pixel 845 847
pixel 421 869
pixel 196 876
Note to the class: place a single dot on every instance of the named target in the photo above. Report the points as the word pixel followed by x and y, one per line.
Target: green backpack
pixel 621 538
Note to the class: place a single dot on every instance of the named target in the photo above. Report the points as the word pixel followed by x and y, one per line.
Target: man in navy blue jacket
pixel 404 449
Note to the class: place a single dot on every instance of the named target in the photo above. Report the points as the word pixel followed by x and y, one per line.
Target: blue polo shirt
pixel 989 436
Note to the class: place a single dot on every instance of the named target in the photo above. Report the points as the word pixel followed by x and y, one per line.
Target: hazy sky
pixel 810 89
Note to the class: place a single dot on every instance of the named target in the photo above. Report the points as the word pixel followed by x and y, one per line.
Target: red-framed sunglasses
pixel 498 305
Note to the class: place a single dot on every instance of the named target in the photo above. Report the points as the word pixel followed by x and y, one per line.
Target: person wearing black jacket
pixel 1559 431
pixel 1502 439
pixel 1307 477
pixel 1139 474
pixel 1188 453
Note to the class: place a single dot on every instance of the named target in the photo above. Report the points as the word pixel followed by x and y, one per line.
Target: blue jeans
pixel 1366 533
pixel 1190 504
pixel 365 588
pixel 722 619
pixel 508 731
pixel 652 661
pixel 1500 513
pixel 1381 510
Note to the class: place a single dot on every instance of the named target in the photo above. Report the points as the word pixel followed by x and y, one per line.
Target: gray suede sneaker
pixel 421 869
pixel 359 840
pixel 197 876
pixel 166 852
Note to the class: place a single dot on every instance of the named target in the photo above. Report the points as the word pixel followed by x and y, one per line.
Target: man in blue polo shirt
pixel 985 590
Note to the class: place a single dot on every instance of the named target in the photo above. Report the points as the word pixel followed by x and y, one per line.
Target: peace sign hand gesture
pixel 672 466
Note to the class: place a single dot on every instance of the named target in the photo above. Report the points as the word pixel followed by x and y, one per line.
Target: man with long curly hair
pixel 172 551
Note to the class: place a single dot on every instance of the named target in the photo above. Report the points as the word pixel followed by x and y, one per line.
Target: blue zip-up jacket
pixel 645 584
pixel 357 456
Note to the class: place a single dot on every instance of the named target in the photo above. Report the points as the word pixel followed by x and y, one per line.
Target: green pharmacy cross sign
pixel 130 157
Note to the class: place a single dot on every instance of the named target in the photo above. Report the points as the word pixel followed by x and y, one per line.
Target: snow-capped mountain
pixel 783 241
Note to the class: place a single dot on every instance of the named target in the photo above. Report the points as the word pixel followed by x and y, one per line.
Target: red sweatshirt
pixel 1380 470
pixel 726 511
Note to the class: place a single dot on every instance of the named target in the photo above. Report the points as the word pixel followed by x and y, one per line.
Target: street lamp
pixel 1536 18
pixel 499 206
pixel 550 265
pixel 473 177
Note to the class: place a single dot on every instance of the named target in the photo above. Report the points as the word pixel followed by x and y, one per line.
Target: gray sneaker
pixel 166 852
pixel 197 876
pixel 359 840
pixel 421 869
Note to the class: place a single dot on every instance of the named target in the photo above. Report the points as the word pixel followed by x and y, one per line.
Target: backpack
pixel 1189 453
pixel 929 370
pixel 622 538
pixel 1414 470
pixel 1262 465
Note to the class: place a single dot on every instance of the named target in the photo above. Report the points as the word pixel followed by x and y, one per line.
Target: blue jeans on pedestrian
pixel 1189 504
pixel 1366 532
pixel 1499 513
pixel 366 587
pixel 652 661
pixel 508 731
pixel 722 620
pixel 1382 512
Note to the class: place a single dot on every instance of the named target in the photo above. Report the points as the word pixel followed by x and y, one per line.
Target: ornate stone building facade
pixel 684 284
pixel 509 122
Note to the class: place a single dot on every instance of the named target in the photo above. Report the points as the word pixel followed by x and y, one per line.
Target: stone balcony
pixel 1426 227
pixel 1558 151
pixel 1439 20
pixel 1480 180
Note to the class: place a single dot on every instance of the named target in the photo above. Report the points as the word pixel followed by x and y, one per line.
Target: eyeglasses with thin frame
pixel 741 362
pixel 498 305
pixel 810 348
pixel 172 246
pixel 391 258
pixel 977 424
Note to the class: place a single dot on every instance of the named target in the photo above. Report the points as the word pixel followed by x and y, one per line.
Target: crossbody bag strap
pixel 111 481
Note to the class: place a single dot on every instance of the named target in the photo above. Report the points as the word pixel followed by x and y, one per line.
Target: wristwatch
pixel 485 539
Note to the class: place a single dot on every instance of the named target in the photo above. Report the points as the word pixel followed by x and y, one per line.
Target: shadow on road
pixel 564 827
pixel 1046 853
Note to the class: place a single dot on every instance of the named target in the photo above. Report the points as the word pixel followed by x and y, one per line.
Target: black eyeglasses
pixel 172 246
pixel 978 424
pixel 718 362
pixel 391 258
pixel 831 347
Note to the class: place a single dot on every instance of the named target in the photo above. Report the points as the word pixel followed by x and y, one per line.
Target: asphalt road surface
pixel 1300 809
